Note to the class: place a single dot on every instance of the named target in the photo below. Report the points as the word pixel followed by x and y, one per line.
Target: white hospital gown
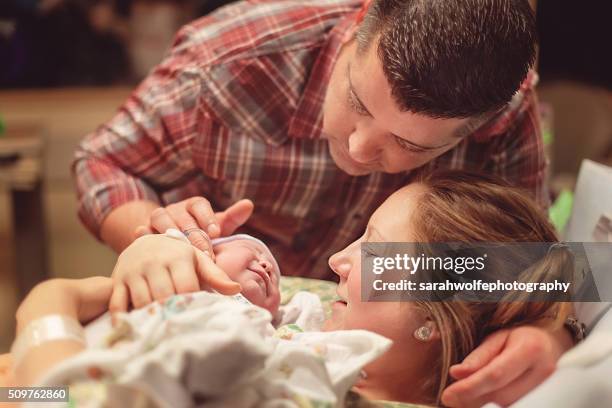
pixel 209 350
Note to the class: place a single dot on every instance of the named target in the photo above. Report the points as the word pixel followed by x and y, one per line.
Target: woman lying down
pixel 209 349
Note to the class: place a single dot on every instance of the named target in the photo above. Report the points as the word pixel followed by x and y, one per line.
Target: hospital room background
pixel 66 66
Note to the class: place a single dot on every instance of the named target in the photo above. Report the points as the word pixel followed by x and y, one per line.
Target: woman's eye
pixel 368 253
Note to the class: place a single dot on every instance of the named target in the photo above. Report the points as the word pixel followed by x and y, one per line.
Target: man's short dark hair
pixel 451 58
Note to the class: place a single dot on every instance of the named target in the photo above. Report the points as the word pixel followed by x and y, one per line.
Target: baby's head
pixel 249 262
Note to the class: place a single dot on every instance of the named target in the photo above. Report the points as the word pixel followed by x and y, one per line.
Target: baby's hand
pixel 155 267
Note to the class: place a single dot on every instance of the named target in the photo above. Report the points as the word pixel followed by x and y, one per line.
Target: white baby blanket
pixel 209 350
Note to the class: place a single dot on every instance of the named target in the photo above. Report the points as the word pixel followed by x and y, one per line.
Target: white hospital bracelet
pixel 46 329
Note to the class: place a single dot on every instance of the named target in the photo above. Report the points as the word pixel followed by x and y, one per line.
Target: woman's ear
pixel 428 331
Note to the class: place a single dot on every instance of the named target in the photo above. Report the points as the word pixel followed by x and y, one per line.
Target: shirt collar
pixel 307 121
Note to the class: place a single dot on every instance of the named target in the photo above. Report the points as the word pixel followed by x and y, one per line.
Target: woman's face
pixel 394 320
pixel 247 263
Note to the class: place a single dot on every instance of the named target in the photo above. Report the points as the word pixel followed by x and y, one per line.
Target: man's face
pixel 366 130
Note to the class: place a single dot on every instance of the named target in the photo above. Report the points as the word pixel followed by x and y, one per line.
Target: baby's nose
pixel 266 265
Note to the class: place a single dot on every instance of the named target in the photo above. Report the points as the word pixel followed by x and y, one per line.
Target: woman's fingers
pixel 119 300
pixel 213 277
pixel 160 283
pixel 94 295
pixel 185 277
pixel 139 291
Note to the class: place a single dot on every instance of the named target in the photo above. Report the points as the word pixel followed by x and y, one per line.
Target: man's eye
pixel 356 106
pixel 406 146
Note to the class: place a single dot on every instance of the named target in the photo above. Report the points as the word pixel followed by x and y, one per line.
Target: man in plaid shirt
pixel 315 110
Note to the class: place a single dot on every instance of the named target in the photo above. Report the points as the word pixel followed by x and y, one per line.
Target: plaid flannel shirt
pixel 235 111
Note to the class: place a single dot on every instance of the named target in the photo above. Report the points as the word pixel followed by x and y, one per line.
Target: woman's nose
pixel 340 264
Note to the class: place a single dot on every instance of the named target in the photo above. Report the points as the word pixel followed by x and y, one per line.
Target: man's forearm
pixel 119 226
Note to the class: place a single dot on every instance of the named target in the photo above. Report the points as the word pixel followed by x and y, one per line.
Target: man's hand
pixel 155 267
pixel 507 365
pixel 197 213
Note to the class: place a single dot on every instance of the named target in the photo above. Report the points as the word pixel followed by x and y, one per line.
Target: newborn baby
pixel 248 261
pixel 245 259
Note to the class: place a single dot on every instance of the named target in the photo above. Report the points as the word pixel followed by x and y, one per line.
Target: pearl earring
pixel 422 333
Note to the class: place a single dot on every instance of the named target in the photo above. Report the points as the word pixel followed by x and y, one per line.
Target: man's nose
pixel 364 146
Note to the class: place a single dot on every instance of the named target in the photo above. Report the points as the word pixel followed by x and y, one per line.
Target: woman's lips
pixel 339 304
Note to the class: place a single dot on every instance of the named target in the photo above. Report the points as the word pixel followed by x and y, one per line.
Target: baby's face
pixel 247 263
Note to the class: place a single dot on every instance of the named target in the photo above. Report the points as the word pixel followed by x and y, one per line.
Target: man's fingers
pixel 214 277
pixel 161 220
pixel 189 225
pixel 184 277
pixel 500 372
pixel 119 299
pixel 202 211
pixel 160 283
pixel 200 240
pixel 142 231
pixel 519 387
pixel 235 216
pixel 139 291
pixel 480 356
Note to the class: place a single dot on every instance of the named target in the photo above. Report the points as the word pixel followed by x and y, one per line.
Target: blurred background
pixel 67 65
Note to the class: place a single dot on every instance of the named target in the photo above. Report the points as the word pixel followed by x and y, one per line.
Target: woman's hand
pixel 507 365
pixel 155 267
pixel 82 299
pixel 197 213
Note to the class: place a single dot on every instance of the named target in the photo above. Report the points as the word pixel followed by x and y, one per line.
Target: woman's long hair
pixel 465 207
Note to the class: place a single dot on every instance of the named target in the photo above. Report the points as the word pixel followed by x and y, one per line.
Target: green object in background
pixel 561 210
pixel 2 127
pixel 547 137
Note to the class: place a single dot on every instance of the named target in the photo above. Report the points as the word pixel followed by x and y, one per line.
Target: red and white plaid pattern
pixel 235 111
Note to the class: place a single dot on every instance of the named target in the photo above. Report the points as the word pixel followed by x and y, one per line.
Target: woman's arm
pixel 82 300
